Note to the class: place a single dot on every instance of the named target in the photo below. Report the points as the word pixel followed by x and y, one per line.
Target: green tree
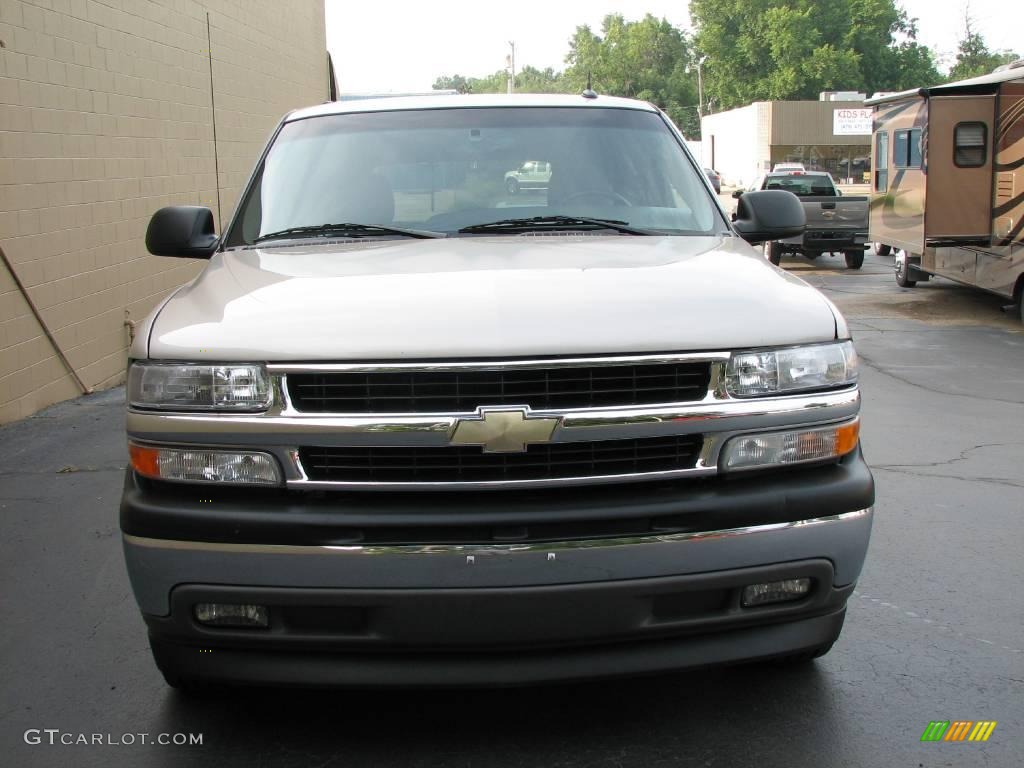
pixel 528 80
pixel 794 49
pixel 973 57
pixel 532 80
pixel 452 82
pixel 647 59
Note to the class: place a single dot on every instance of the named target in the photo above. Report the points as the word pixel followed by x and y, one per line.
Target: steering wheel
pixel 615 197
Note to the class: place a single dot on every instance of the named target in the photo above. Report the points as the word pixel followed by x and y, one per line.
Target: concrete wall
pixel 105 116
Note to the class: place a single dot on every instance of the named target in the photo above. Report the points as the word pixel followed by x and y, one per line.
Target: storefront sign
pixel 851 122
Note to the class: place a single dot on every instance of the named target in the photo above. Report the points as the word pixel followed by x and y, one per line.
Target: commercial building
pixel 108 111
pixel 829 135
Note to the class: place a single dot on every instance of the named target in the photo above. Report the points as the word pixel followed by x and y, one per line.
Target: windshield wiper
pixel 346 229
pixel 552 223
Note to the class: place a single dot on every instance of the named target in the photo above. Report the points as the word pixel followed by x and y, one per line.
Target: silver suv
pixel 404 430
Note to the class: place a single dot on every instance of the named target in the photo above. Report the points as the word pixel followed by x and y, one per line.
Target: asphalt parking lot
pixel 935 630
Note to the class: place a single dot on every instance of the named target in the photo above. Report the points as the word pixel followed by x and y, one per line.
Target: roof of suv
pixel 452 102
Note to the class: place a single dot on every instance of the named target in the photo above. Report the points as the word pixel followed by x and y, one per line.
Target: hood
pixel 477 297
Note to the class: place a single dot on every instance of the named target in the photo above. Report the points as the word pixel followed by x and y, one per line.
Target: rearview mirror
pixel 769 214
pixel 185 231
pixel 737 193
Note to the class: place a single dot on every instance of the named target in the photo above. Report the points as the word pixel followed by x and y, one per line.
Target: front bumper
pixel 350 608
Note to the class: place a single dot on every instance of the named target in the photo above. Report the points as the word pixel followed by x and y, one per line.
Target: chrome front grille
pixel 462 464
pixel 650 417
pixel 463 390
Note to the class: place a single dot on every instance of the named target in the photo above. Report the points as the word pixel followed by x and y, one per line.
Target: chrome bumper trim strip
pixel 486 549
pixel 418 429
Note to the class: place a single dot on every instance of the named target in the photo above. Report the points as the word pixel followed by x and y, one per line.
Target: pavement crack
pixel 961 457
pixel 991 480
pixel 917 385
pixel 67 470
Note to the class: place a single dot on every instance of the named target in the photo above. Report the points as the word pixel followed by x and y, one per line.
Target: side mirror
pixel 769 214
pixel 737 193
pixel 185 231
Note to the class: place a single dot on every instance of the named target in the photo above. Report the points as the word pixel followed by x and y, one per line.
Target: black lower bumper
pixel 497 636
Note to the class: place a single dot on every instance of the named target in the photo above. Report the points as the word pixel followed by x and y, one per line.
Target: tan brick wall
pixel 105 116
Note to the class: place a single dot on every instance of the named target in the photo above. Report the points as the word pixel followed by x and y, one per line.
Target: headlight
pixel 778 371
pixel 205 465
pixel 795 446
pixel 199 387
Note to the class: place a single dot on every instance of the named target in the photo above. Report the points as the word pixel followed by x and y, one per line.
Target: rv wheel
pixel 883 250
pixel 902 262
pixel 854 259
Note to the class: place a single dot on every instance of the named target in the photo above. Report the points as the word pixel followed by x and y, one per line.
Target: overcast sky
pixel 387 46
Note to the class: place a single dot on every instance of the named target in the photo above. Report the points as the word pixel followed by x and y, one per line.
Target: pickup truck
pixel 835 223
pixel 391 438
pixel 533 174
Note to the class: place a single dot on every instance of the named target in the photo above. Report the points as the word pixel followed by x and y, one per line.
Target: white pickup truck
pixel 408 428
pixel 835 223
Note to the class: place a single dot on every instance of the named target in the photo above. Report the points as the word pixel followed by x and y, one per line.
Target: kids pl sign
pixel 851 122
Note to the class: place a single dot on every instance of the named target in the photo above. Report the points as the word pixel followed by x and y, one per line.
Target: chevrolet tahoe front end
pixel 432 445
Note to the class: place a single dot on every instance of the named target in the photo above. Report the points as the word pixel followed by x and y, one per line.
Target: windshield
pixel 442 170
pixel 803 185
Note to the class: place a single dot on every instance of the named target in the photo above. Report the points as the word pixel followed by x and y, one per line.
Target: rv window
pixel 914 159
pixel 882 161
pixel 907 148
pixel 969 145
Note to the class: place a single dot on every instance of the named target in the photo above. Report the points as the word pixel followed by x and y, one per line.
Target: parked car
pixel 533 174
pixel 377 442
pixel 835 223
pixel 715 178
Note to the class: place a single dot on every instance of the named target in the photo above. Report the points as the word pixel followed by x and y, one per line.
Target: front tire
pixel 854 259
pixel 773 252
pixel 903 279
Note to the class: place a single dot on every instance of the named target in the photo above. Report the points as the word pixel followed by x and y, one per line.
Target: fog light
pixel 231 615
pixel 775 592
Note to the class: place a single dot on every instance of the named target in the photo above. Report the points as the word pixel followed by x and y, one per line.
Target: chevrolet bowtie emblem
pixel 507 430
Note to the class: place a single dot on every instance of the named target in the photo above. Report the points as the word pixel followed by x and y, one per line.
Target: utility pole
pixel 700 88
pixel 510 65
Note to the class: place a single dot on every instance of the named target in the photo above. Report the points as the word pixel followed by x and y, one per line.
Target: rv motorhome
pixel 948 182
